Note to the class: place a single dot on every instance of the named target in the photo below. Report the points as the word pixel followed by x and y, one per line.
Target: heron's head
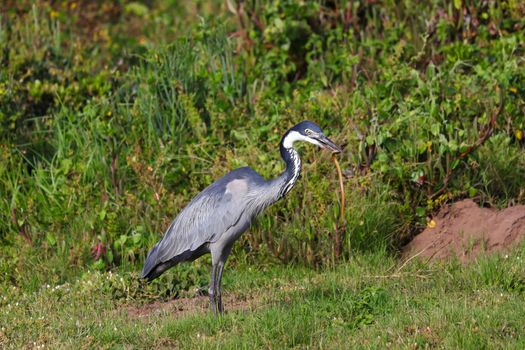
pixel 310 132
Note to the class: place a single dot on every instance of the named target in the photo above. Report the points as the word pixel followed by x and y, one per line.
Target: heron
pixel 216 217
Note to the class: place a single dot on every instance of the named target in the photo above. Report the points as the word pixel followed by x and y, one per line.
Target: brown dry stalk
pixel 341 225
pixel 21 228
pixel 341 188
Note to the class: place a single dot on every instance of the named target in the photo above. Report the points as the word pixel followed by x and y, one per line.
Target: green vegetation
pixel 369 302
pixel 114 114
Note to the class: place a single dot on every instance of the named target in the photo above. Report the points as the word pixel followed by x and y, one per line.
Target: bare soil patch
pixel 464 230
pixel 191 305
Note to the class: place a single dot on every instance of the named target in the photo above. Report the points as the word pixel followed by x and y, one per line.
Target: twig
pixel 412 257
pixel 342 224
pixel 341 188
pixel 21 228
pixel 397 275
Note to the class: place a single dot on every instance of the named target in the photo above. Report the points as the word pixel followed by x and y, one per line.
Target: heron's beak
pixel 328 144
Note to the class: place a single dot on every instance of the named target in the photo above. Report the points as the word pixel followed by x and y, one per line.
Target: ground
pixel 373 301
pixel 464 230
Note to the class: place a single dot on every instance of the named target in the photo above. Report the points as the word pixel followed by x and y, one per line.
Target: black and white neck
pixel 293 162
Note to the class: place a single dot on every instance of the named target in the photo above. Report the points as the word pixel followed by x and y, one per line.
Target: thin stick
pixel 413 257
pixel 397 275
pixel 341 188
pixel 342 225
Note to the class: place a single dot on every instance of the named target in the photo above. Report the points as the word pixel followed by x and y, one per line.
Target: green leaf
pixel 137 9
pixel 99 265
pixel 453 146
pixel 102 214
pixel 50 239
pixel 136 238
pixel 435 128
pixel 422 147
pixel 65 165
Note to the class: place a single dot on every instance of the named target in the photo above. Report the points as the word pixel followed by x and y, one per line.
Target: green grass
pixel 369 302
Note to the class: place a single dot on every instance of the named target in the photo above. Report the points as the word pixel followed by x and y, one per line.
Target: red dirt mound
pixel 463 229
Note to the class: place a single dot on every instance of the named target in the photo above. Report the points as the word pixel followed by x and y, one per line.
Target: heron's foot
pixel 219 304
pixel 215 303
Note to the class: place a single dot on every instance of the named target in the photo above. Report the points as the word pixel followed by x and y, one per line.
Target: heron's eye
pixel 308 132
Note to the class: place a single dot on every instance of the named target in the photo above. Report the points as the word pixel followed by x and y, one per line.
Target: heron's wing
pixel 205 219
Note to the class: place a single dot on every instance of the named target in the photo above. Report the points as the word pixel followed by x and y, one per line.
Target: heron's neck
pixel 293 169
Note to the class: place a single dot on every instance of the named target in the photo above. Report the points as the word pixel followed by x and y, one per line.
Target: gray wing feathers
pixel 205 219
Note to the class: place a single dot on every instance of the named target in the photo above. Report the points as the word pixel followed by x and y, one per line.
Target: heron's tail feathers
pixel 157 271
pixel 152 266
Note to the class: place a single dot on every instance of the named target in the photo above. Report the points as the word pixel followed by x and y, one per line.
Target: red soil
pixel 464 230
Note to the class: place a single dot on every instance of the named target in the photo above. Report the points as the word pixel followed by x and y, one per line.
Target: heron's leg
pixel 212 292
pixel 219 255
pixel 218 279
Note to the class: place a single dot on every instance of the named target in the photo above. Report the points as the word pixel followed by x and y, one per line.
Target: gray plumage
pixel 218 215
